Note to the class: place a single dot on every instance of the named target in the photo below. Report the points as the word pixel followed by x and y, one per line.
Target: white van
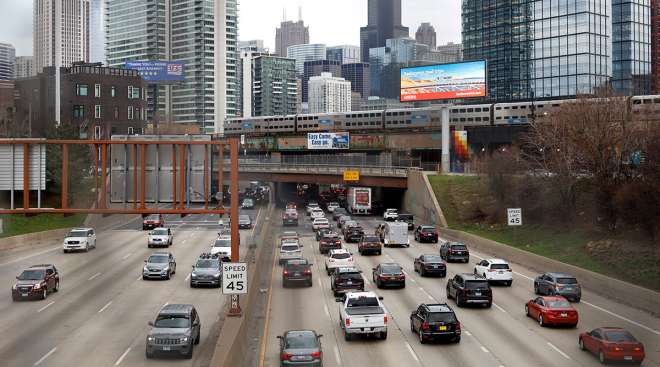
pixel 396 234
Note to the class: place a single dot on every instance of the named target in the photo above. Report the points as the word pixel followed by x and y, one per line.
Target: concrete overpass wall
pixel 420 200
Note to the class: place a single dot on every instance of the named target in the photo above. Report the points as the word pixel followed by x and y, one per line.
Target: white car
pixel 311 206
pixel 222 247
pixel 339 258
pixel 319 223
pixel 160 237
pixel 332 206
pixel 390 214
pixel 495 270
pixel 79 239
pixel 317 213
pixel 290 249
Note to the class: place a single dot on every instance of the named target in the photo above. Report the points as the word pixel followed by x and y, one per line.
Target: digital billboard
pixel 158 71
pixel 327 141
pixel 446 81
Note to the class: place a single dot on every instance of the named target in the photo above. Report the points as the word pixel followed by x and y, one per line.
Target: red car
pixel 554 310
pixel 612 344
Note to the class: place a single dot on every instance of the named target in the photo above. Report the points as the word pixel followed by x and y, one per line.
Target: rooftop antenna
pixel 299 13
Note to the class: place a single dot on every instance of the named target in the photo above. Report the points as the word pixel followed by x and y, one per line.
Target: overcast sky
pixel 332 22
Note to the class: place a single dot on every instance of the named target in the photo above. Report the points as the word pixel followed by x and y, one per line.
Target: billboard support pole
pixel 445 140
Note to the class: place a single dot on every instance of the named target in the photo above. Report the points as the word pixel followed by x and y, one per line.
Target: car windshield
pixel 288 247
pixel 432 258
pixel 172 321
pixel 296 266
pixel 476 284
pixel 222 242
pixel 499 266
pixel 363 302
pixel 158 259
pixel 370 239
pixel 321 221
pixel 333 204
pixel 31 275
pixel 442 317
pixel 159 232
pixel 78 234
pixel 153 217
pixel 247 201
pixel 428 229
pixel 458 247
pixel 391 210
pixel 301 340
pixel 559 304
pixel 342 255
pixel 566 281
pixel 244 218
pixel 351 276
pixel 619 336
pixel 208 264
pixel 391 269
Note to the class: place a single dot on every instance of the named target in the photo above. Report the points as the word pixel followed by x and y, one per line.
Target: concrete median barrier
pixel 32 240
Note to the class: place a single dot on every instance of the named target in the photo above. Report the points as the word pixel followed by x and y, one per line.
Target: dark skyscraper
pixel 384 22
pixel 315 68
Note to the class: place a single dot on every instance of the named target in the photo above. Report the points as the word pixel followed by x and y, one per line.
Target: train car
pixel 360 121
pixel 281 124
pixel 646 107
pixel 316 122
pixel 471 115
pixel 413 118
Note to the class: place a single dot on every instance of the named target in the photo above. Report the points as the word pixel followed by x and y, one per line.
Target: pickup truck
pixel 362 313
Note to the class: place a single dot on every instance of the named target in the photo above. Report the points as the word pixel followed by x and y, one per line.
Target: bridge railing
pixel 322 169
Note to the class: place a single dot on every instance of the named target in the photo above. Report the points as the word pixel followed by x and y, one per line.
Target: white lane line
pixel 122 357
pixel 318 279
pixel 483 349
pixel 622 318
pixel 140 277
pixel 337 355
pixel 45 356
pixel 412 352
pixel 558 351
pixel 94 276
pixel 523 275
pixel 498 307
pixel 187 277
pixel 127 256
pixel 366 280
pixel 184 241
pixel 104 307
pixel 467 333
pixel 413 280
pixel 33 255
pixel 327 312
pixel 477 256
pixel 46 306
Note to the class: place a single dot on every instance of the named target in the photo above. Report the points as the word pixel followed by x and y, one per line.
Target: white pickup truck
pixel 362 313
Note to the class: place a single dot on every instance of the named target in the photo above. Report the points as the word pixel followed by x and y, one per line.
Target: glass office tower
pixel 631 47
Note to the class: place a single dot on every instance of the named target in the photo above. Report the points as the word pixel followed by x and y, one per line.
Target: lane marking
pixel 413 280
pixel 94 276
pixel 622 318
pixel 477 256
pixel 319 281
pixel 126 256
pixel 327 312
pixel 264 344
pixel 412 352
pixel 337 355
pixel 29 256
pixel 483 349
pixel 499 308
pixel 187 277
pixel 523 275
pixel 140 277
pixel 122 357
pixel 467 333
pixel 104 307
pixel 558 351
pixel 45 356
pixel 46 306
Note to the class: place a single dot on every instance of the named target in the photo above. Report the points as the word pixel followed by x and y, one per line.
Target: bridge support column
pixel 445 140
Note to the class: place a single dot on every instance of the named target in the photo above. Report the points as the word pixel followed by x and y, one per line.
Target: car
pixel 406 218
pixel 311 206
pixel 353 234
pixel 152 221
pixel 297 271
pixel 330 241
pixel 319 223
pixel 332 206
pixel 160 237
pixel 370 244
pixel 389 274
pixel 451 251
pixel 247 203
pixel 36 282
pixel 176 330
pixel 468 288
pixel 612 344
pixel 79 239
pixel 289 235
pixel 338 213
pixel 338 258
pixel 244 221
pixel 430 264
pixel 322 232
pixel 495 270
pixel 426 234
pixel 291 205
pixel 362 313
pixel 290 249
pixel 435 321
pixel 207 270
pixel 225 224
pixel 343 219
pixel 222 248
pixel 301 348
pixel 551 310
pixel 395 234
pixel 290 218
pixel 159 265
pixel 558 284
pixel 347 224
pixel 390 214
pixel 316 213
pixel 346 279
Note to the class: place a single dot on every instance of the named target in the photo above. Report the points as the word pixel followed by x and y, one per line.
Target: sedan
pixel 388 274
pixel 429 264
pixel 426 234
pixel 321 233
pixel 319 223
pixel 551 311
pixel 612 344
pixel 244 221
pixel 301 348
pixel 159 265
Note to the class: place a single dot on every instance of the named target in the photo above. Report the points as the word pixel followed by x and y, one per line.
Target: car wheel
pixel 383 335
pixel 421 337
pixel 169 275
pixel 457 339
pixel 412 327
pixel 541 321
pixel 509 282
pixel 379 252
pixel 601 357
pixel 577 300
pixel 403 285
pixel 44 294
pixel 527 310
pixel 580 344
pixel 197 339
pixel 459 301
pixel 191 284
pixel 148 355
pixel 87 247
pixel 57 286
pixel 489 304
pixel 448 293
pixel 144 278
pixel 189 355
pixel 65 251
pixel 536 289
pixel 422 272
pixel 148 246
pixel 347 336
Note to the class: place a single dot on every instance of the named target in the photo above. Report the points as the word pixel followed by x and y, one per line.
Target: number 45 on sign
pixel 234 278
pixel 514 216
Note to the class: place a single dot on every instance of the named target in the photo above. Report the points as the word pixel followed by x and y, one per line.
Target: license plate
pixel 477 294
pixel 349 283
pixel 564 315
pixel 442 328
pixel 435 266
pixel 500 272
pixel 166 348
pixel 24 294
pixel 628 358
pixel 299 358
pixel 296 274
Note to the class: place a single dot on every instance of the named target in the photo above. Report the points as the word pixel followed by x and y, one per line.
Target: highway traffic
pixel 501 335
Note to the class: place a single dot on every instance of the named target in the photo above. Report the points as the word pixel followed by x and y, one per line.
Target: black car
pixel 301 348
pixel 469 289
pixel 348 279
pixel 297 271
pixel 389 274
pixel 427 264
pixel 451 251
pixel 36 282
pixel 330 241
pixel 435 321
pixel 408 218
pixel 322 232
pixel 353 234
pixel 426 234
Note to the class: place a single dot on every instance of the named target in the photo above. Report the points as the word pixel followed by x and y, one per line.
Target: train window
pixel 470 110
pixel 514 107
pixel 555 105
pixel 498 108
pixel 316 125
pixel 359 124
pixel 388 114
pixel 462 119
pixel 408 122
pixel 637 101
pixel 486 118
pixel 646 101
pixel 498 118
pixel 477 119
pixel 462 110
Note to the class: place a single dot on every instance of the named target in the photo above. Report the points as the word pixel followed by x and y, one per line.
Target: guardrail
pixel 381 171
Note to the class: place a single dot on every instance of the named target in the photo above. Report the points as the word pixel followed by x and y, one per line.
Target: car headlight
pixel 13 287
pixel 37 286
pixel 216 275
pixel 145 269
pixel 165 269
pixel 150 338
pixel 184 339
pixel 193 274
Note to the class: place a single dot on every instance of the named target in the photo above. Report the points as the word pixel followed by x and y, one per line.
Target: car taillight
pixel 308 271
pixel 286 272
pixel 316 354
pixel 425 326
pixel 348 322
pixel 638 349
pixel 385 319
pixel 285 356
pixel 458 327
pixel 616 348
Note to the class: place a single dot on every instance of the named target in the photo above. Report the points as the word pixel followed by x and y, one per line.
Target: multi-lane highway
pixel 499 336
pixel 99 316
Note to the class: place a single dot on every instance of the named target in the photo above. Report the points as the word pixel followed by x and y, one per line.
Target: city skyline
pixel 16 26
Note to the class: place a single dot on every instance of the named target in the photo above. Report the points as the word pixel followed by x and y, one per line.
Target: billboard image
pixel 327 141
pixel 158 71
pixel 446 81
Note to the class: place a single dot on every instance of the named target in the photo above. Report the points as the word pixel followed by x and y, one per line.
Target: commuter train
pixel 414 119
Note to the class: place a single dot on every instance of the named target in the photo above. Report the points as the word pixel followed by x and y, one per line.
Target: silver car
pixel 160 265
pixel 206 271
pixel 176 329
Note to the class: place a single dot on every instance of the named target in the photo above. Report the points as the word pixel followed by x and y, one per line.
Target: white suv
pixel 338 258
pixel 290 249
pixel 390 214
pixel 79 239
pixel 495 270
pixel 160 237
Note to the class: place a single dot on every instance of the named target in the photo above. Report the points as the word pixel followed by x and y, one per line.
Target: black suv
pixel 408 218
pixel 469 289
pixel 330 241
pixel 353 234
pixel 297 271
pixel 429 264
pixel 435 321
pixel 451 251
pixel 346 279
pixel 36 282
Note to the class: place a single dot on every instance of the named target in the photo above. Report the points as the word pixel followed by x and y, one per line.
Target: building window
pixel 97 90
pixel 113 91
pixel 130 92
pixel 130 112
pixel 97 111
pixel 116 113
pixel 78 111
pixel 136 93
pixel 137 113
pixel 81 89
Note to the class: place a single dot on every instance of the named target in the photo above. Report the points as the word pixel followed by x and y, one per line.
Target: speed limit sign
pixel 514 216
pixel 234 278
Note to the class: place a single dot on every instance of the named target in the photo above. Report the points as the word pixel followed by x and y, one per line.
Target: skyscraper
pixel 426 35
pixel 451 52
pixel 316 68
pixel 305 52
pixel 274 89
pixel 329 94
pixel 7 61
pixel 384 22
pixel 226 91
pixel 97 32
pixel 60 22
pixel 358 75
pixel 631 47
pixel 24 67
pixel 252 45
pixel 345 54
pixel 288 34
